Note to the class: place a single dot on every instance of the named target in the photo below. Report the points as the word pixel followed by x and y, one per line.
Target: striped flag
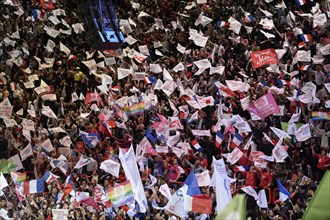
pixel 18 177
pixel 38 14
pixel 121 194
pixel 304 67
pixel 284 193
pixel 69 186
pixel 306 37
pixel 219 138
pixel 135 109
pixel 237 140
pixel 320 115
pixel 241 168
pixel 221 24
pixel 33 186
pixel 49 177
pixel 82 162
pixel 300 2
pixel 195 144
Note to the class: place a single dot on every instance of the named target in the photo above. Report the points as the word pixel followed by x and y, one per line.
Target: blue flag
pixel 90 139
pixel 150 136
pixel 191 182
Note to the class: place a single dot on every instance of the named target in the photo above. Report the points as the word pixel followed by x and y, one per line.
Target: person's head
pixel 16 216
pixel 323 152
pixel 300 173
pixel 3 202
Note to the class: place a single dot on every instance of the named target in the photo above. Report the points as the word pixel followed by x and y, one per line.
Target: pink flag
pixel 93 97
pixel 264 106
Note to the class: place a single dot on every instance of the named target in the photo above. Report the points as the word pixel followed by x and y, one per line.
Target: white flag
pixel 235 25
pixel 303 56
pixel 3 183
pixel 262 199
pixel 82 162
pixel 280 134
pixel 165 191
pixel 303 133
pixel 168 87
pixel 279 153
pixel 78 28
pixel 217 69
pixel 111 167
pixel 16 160
pixel 66 141
pixel 235 155
pixel 74 97
pixel 47 145
pixel 155 68
pixel 250 191
pixel 201 133
pixel 64 48
pixel 130 40
pixel 166 75
pixel 161 149
pixel 176 204
pixel 46 110
pixel 129 163
pixel 178 67
pixel 122 73
pixel 222 185
pixel 203 178
pixel 26 152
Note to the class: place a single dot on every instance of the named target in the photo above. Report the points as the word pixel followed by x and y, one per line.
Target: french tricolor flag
pixel 304 67
pixel 306 37
pixel 301 2
pixel 284 193
pixel 221 24
pixel 218 139
pixel 33 186
pixel 38 14
pixel 50 177
pixel 195 144
pixel 150 80
pixel 237 140
pixel 69 186
pixel 198 203
pixel 242 168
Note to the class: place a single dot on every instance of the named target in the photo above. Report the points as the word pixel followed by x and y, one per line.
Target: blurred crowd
pixel 33 70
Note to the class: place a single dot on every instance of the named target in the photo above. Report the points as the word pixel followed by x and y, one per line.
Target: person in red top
pixel 251 177
pixel 265 179
pixel 323 163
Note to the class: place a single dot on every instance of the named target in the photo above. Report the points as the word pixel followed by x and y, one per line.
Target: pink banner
pixel 264 106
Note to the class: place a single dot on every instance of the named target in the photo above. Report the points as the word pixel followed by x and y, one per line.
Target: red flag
pixel 264 57
pixel 198 203
pixel 89 201
pixel 47 5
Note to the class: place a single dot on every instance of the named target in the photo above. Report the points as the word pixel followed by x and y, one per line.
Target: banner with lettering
pixel 264 106
pixel 264 57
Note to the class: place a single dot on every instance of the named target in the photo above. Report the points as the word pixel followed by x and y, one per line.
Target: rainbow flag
pixel 18 177
pixel 320 115
pixel 121 194
pixel 135 109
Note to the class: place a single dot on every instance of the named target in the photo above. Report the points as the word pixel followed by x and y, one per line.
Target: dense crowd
pixel 181 60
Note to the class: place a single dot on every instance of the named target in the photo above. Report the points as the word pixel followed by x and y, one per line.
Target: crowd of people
pixel 175 92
